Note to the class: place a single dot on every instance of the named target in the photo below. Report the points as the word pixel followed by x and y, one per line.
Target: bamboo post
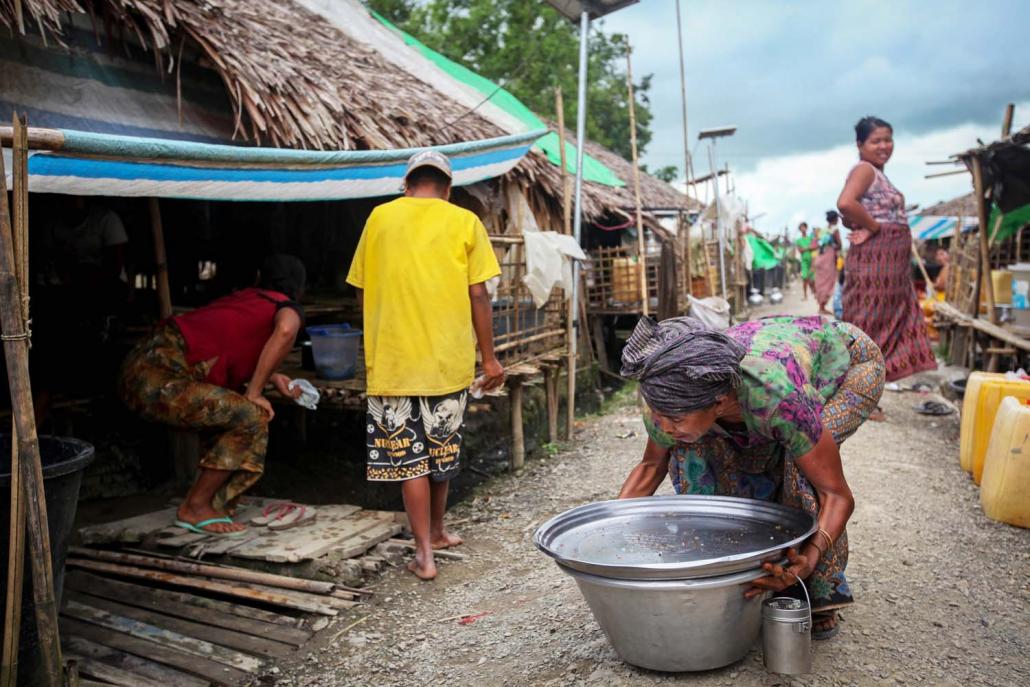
pixel 551 391
pixel 16 525
pixel 985 246
pixel 16 350
pixel 164 294
pixel 570 313
pixel 641 249
pixel 566 192
pixel 930 293
pixel 518 442
pixel 984 276
pixel 688 268
pixel 1006 122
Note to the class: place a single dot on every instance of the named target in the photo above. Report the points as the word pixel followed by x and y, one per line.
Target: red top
pixel 233 329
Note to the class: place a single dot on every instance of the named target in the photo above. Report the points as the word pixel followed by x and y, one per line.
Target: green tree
pixel 527 47
pixel 668 173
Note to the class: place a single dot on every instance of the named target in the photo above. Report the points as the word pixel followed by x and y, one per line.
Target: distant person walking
pixel 806 246
pixel 879 295
pixel 825 263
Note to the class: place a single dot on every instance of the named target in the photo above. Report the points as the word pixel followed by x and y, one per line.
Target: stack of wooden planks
pixel 140 620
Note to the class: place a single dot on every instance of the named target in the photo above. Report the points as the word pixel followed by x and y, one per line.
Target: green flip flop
pixel 198 528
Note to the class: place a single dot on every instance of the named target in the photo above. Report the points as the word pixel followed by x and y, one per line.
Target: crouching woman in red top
pixel 190 373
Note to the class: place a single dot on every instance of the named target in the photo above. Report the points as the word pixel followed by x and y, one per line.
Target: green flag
pixel 765 254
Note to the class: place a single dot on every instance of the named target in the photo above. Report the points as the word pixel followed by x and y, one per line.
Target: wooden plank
pixel 221 572
pixel 203 602
pixel 334 525
pixel 163 675
pixel 360 543
pixel 174 603
pixel 109 673
pixel 173 640
pixel 239 591
pixel 188 663
pixel 130 530
pixel 997 332
pixel 255 646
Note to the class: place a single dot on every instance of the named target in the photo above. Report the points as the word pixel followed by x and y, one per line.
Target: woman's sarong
pixel 715 465
pixel 880 299
pixel 158 384
pixel 825 267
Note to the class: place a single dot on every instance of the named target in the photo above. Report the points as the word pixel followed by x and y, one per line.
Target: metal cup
pixel 787 635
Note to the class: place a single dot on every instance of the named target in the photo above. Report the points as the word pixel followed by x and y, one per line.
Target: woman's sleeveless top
pixel 882 200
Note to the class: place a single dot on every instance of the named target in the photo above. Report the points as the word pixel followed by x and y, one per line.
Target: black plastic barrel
pixel 64 460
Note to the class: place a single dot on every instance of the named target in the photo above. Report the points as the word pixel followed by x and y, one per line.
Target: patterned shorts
pixel 414 436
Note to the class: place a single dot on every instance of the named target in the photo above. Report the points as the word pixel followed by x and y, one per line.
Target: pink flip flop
pixel 284 515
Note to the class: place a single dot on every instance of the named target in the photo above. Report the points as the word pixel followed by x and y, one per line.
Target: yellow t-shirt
pixel 415 262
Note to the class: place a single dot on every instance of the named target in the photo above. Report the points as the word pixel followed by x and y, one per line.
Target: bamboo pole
pixel 570 313
pixel 164 294
pixel 687 268
pixel 39 139
pixel 16 351
pixel 16 525
pixel 220 572
pixel 1006 122
pixel 687 166
pixel 641 248
pixel 985 246
pixel 930 293
pixel 566 192
pixel 518 441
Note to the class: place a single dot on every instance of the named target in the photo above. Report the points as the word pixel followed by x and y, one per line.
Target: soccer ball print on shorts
pixel 415 436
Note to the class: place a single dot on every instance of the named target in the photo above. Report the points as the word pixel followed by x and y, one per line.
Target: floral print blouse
pixel 792 367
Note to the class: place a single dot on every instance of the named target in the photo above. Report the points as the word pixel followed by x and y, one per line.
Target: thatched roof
pixel 964 206
pixel 297 81
pixel 294 79
pixel 655 194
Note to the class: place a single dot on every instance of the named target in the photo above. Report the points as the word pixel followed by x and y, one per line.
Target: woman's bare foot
pixel 423 567
pixel 878 415
pixel 445 540
pixel 194 514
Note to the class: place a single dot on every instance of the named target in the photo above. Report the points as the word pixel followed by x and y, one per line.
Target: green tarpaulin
pixel 593 169
pixel 765 255
pixel 1011 222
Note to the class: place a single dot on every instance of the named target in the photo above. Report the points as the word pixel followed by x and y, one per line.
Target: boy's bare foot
pixel 445 540
pixel 194 514
pixel 423 569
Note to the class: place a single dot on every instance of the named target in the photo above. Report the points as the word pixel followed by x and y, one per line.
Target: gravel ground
pixel 941 591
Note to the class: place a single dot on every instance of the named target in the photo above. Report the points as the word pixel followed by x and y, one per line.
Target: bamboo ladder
pixel 28 504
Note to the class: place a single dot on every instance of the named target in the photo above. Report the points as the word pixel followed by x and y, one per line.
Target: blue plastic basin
pixel 335 350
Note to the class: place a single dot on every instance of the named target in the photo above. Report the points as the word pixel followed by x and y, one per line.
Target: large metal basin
pixel 675 625
pixel 673 537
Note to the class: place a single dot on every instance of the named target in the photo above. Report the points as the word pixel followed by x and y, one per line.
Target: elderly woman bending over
pixel 759 411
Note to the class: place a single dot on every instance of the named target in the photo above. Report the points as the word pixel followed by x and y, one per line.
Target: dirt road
pixel 943 593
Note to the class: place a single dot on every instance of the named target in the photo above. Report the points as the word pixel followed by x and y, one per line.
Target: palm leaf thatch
pixel 295 80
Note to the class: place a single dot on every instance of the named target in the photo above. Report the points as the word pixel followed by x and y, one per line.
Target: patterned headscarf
pixel 681 364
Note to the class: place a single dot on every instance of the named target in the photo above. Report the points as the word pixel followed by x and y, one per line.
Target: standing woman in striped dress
pixel 878 294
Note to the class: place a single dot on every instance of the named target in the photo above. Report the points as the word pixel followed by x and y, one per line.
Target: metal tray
pixel 673 537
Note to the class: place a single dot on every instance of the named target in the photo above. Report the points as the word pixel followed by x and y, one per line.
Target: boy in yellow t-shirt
pixel 420 269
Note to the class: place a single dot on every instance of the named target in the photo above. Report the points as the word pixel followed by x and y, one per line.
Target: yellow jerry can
pixel 992 392
pixel 969 401
pixel 1005 490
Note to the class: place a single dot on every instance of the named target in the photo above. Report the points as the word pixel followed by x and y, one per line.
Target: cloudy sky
pixel 794 76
